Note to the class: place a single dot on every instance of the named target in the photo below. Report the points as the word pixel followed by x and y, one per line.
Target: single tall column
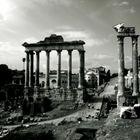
pixel 81 70
pixel 70 69
pixel 37 69
pixel 31 77
pixel 121 80
pixel 59 69
pixel 135 65
pixel 47 69
pixel 27 70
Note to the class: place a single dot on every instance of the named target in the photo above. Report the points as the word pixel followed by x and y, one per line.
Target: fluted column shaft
pixel 59 69
pixel 135 65
pixel 47 69
pixel 69 69
pixel 121 80
pixel 31 76
pixel 27 70
pixel 82 68
pixel 37 69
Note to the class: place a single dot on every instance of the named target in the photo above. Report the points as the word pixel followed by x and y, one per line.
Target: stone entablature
pixel 54 43
pixel 124 31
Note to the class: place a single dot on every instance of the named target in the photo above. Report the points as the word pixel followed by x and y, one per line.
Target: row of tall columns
pixel 29 78
pixel 121 80
pixel 30 64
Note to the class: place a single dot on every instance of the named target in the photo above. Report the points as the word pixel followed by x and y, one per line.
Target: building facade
pixel 95 77
pixel 53 79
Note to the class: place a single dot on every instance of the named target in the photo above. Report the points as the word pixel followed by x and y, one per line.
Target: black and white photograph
pixel 69 70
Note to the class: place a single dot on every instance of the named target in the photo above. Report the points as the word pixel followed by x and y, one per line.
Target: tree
pixel 5 75
pixel 108 75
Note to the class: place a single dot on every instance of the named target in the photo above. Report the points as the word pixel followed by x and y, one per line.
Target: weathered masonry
pixel 122 33
pixel 52 43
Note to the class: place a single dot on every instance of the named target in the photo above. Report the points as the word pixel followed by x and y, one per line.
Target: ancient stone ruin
pixel 33 92
pixel 122 96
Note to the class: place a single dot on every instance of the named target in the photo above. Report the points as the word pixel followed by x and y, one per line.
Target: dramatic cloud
pixel 86 36
pixel 87 20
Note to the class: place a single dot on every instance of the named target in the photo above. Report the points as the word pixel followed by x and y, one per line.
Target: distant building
pixel 18 77
pixel 95 76
pixel 53 79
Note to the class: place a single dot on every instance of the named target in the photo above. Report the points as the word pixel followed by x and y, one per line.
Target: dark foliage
pixel 30 136
pixel 5 75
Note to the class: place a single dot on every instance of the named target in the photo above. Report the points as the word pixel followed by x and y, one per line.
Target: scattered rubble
pixel 130 112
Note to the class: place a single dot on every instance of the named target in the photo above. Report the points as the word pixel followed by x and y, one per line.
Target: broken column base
pixel 120 101
pixel 127 100
pixel 138 99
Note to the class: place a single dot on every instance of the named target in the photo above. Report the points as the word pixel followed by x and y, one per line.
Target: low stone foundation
pixel 39 100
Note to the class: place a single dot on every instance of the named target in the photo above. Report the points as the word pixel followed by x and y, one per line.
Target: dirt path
pixel 109 89
pixel 84 113
pixel 72 117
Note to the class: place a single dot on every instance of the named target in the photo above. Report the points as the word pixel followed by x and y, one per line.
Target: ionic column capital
pixel 134 39
pixel 27 51
pixel 120 38
pixel 81 51
pixel 47 51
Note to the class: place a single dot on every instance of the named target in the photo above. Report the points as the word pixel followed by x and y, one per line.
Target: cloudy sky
pixel 88 20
